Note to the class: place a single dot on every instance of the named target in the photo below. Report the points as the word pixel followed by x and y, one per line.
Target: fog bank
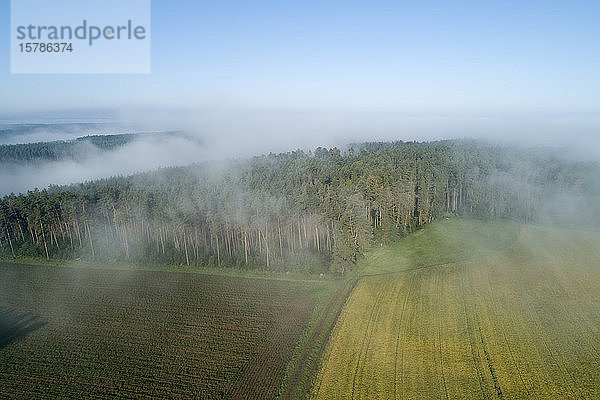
pixel 228 132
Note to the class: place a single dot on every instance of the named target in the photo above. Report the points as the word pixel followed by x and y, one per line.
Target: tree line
pixel 74 149
pixel 312 211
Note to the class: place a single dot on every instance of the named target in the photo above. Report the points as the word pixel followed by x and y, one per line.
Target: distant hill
pixel 30 133
pixel 71 149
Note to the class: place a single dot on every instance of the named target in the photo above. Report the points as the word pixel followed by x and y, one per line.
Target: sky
pixel 459 63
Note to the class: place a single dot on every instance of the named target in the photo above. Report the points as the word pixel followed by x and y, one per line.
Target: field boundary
pixel 226 271
pixel 309 362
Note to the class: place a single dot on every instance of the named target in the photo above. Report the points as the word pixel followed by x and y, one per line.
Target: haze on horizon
pixel 463 60
pixel 250 78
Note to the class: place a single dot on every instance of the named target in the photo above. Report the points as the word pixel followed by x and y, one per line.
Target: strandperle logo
pixel 91 33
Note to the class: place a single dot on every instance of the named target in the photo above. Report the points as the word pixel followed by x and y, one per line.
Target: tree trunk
pixel 91 242
pixel 267 244
pixel 246 247
pixel 299 235
pixel 218 252
pixel 187 257
pixel 44 238
pixel 10 242
pixel 280 242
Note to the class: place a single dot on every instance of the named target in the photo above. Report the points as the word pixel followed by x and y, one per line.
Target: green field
pixel 517 320
pixel 76 333
pixel 462 309
pixel 440 243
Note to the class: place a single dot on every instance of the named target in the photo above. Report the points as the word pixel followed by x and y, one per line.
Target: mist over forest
pixel 227 133
pixel 36 156
pixel 300 200
pixel 316 210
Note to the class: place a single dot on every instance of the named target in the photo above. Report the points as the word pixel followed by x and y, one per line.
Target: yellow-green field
pixel 519 322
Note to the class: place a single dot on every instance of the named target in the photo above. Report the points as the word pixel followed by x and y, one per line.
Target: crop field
pixel 76 333
pixel 520 322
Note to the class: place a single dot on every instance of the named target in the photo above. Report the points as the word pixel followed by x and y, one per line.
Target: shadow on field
pixel 15 326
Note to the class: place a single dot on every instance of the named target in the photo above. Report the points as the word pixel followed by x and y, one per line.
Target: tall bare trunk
pixel 218 252
pixel 187 257
pixel 55 239
pixel 44 238
pixel 70 235
pixel 91 242
pixel 280 241
pixel 259 243
pixel 267 244
pixel 10 242
pixel 246 247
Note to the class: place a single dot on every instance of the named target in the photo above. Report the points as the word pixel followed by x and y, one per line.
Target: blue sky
pixel 458 57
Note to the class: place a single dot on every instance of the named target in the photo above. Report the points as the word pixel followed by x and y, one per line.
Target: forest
pixel 73 149
pixel 305 211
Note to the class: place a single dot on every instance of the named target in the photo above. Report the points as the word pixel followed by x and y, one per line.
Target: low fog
pixel 243 132
pixel 140 155
pixel 19 133
pixel 229 133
